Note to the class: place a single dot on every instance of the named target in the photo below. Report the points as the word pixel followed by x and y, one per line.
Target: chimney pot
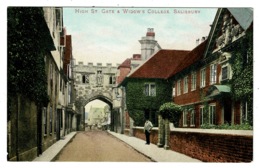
pixel 150 32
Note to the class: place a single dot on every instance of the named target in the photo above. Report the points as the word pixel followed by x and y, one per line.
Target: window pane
pixel 202 77
pixel 179 87
pixel 213 73
pixel 153 90
pixel 185 84
pixel 193 81
pixel 224 73
pixel 212 112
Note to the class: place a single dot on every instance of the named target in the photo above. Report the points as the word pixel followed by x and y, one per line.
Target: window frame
pixel 178 87
pixel 227 71
pixel 213 73
pixel 85 79
pixel 212 114
pixel 202 77
pixel 185 84
pixel 173 91
pixel 148 89
pixel 193 80
pixel 185 118
pixel 192 118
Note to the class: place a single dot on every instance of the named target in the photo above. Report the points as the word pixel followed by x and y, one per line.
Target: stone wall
pixel 22 129
pixel 208 145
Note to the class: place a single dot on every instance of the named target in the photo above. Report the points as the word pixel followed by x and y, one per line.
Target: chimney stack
pixel 203 39
pixel 137 57
pixel 197 42
pixel 150 32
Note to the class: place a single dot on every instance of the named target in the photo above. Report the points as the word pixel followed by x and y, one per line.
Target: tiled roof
pixel 195 55
pixel 160 65
pixel 125 64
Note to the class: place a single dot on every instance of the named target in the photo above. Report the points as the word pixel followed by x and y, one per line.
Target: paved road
pixel 99 146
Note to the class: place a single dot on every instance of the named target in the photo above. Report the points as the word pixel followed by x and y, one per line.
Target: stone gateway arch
pixel 93 82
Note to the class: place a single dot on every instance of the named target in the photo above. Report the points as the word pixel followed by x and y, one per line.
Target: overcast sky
pixel 110 35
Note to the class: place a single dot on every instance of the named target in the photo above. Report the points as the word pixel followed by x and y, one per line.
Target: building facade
pixel 148 88
pixel 93 82
pixel 44 95
pixel 208 87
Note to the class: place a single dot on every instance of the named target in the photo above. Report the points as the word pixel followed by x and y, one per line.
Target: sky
pixel 110 35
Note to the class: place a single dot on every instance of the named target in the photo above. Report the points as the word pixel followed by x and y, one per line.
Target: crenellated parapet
pixel 94 81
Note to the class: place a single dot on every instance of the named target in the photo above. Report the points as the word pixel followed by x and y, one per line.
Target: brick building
pixel 204 83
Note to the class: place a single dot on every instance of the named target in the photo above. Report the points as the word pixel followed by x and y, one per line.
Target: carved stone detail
pixel 230 32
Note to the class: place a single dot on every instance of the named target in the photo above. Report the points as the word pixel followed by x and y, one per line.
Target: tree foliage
pixel 171 111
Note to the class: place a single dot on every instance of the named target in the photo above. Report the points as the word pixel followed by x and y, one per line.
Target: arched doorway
pixel 81 103
pixel 97 115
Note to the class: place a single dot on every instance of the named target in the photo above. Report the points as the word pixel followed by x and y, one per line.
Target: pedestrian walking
pixel 147 129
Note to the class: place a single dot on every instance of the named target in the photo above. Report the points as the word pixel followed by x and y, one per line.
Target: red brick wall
pixel 213 147
pixel 207 147
pixel 139 133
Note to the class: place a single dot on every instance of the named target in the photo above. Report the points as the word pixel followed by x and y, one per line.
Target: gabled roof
pixel 243 16
pixel 195 55
pixel 125 64
pixel 160 65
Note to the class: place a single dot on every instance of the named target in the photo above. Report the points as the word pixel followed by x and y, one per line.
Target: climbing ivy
pixel 242 68
pixel 137 102
pixel 26 46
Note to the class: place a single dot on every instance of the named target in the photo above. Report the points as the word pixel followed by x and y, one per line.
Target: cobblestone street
pixel 98 146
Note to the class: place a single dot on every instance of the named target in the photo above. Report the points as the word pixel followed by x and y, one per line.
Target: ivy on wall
pixel 27 45
pixel 242 68
pixel 137 102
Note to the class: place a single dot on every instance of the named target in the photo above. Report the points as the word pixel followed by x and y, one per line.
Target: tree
pixel 171 111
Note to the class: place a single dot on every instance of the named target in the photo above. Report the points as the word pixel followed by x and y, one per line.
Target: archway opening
pixel 97 114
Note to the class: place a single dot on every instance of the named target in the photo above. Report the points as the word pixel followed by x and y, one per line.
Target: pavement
pixel 151 151
pixel 50 153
